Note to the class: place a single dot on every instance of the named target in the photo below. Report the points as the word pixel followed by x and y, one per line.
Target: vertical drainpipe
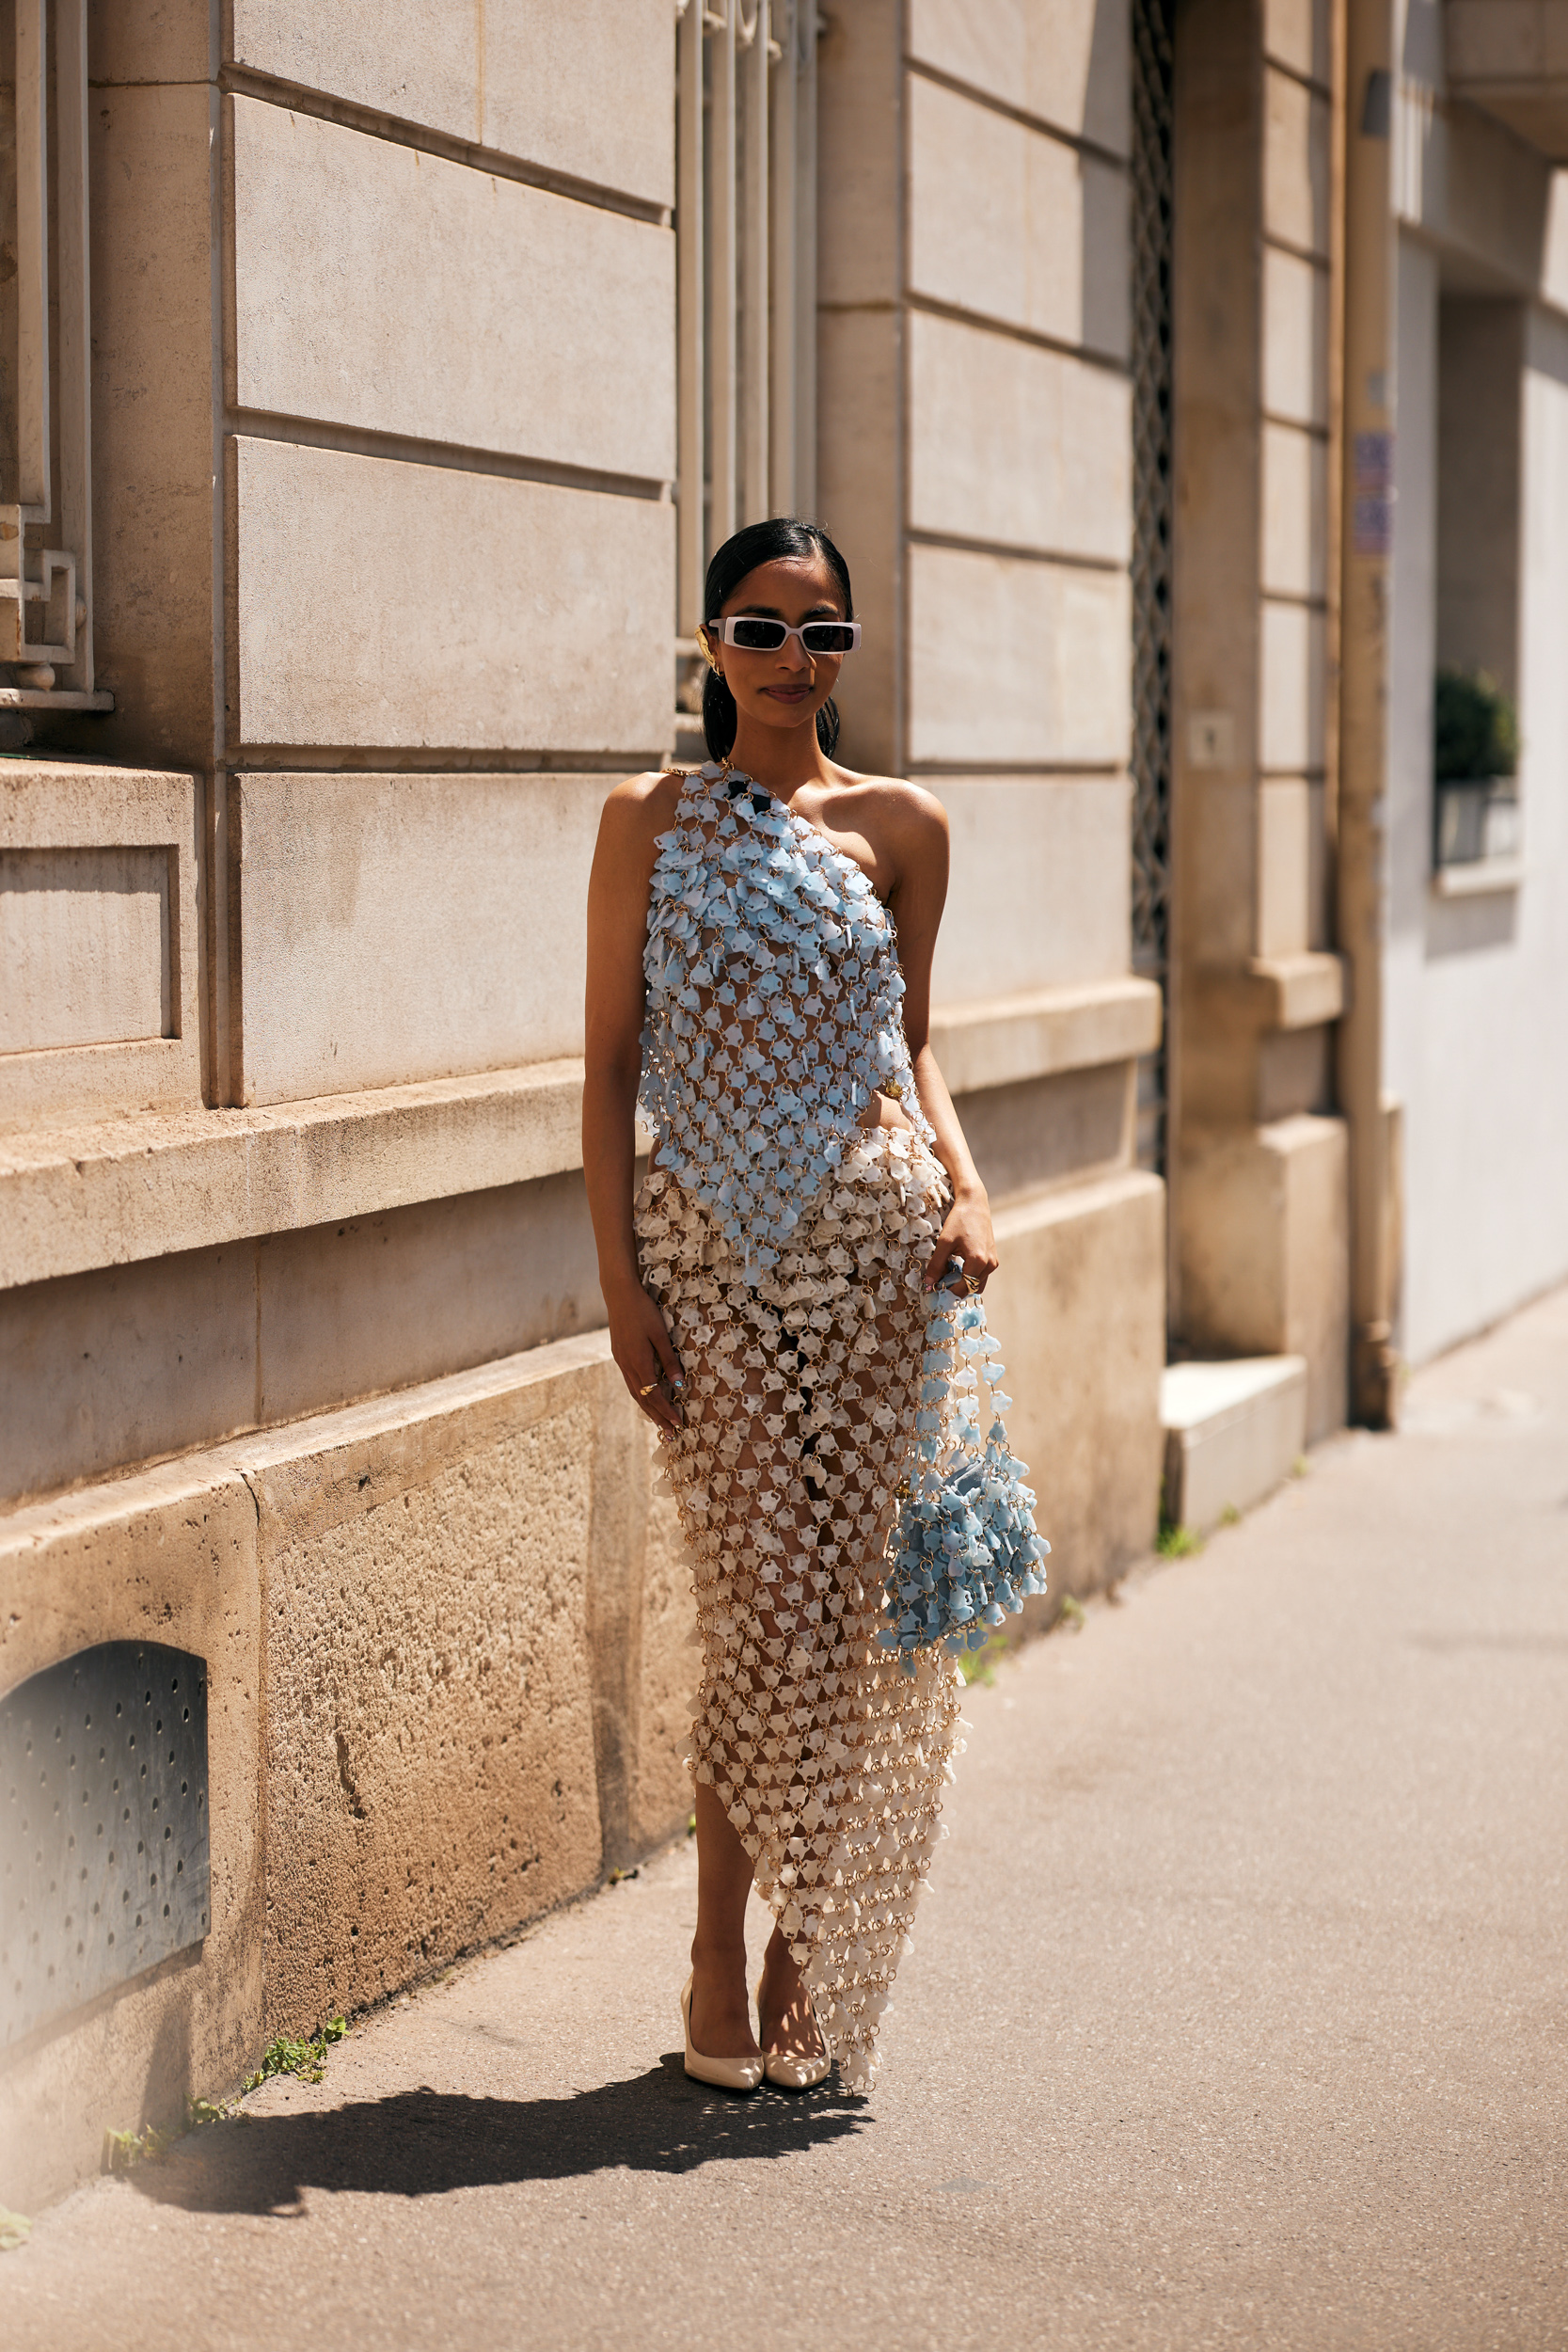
pixel 1367 510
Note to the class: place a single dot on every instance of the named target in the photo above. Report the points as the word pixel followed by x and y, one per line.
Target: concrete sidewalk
pixel 1239 2014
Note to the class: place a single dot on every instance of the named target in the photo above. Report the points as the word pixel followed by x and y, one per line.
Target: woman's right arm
pixel 633 817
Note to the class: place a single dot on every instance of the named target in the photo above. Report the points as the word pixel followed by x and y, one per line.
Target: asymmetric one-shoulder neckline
pixel 775 800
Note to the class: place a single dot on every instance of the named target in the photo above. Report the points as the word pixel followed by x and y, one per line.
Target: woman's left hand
pixel 966 1234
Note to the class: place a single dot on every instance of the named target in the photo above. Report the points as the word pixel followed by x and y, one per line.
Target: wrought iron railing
pixel 1152 64
pixel 746 276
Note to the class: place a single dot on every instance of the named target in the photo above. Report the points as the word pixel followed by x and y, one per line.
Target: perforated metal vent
pixel 104 1839
pixel 1152 61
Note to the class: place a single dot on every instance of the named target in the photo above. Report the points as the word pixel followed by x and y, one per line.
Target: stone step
pixel 1232 1432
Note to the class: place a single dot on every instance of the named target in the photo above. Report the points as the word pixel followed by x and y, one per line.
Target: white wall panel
pixel 1009 442
pixel 1014 225
pixel 1476 1018
pixel 1064 61
pixel 1016 662
pixel 1038 894
pixel 84 946
pixel 381 603
pixel 379 288
pixel 588 90
pixel 398 928
pixel 1299 34
pixel 1296 162
pixel 1295 338
pixel 1290 717
pixel 1295 493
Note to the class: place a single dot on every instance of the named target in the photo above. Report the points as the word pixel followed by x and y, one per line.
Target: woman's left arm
pixel 917 900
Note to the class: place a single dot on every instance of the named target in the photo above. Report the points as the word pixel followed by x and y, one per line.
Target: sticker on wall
pixel 104 1864
pixel 1372 502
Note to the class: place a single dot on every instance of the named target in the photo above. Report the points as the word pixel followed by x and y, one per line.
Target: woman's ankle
pixel 712 1959
pixel 781 1973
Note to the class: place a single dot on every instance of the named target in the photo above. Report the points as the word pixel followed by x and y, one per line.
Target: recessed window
pixel 1476 815
pixel 1475 769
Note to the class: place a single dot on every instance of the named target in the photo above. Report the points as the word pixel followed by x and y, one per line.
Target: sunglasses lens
pixel 758 636
pixel 828 636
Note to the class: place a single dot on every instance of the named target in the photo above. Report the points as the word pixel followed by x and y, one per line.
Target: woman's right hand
pixel 641 1344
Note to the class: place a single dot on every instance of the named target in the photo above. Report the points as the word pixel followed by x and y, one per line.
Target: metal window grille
pixel 1152 59
pixel 45 360
pixel 746 281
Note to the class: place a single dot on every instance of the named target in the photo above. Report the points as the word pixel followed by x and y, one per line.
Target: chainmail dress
pixel 784 1242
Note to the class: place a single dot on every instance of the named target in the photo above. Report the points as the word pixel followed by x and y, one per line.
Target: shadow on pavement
pixel 421 2143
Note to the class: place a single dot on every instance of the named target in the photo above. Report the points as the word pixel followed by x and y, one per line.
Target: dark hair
pixel 763 543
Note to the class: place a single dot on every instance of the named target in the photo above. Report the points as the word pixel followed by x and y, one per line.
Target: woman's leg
pixel 721 2012
pixel 800 1420
pixel 785 2026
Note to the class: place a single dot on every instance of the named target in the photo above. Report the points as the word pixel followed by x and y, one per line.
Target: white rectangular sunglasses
pixel 752 634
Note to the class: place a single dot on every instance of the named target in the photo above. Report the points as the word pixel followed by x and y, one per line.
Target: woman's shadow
pixel 421 2143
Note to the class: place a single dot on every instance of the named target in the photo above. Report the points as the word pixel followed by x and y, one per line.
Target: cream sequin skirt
pixel 802 1390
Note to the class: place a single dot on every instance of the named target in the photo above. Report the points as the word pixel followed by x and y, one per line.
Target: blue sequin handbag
pixel 964 1552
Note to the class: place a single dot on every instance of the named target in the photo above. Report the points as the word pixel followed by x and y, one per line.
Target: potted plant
pixel 1475 766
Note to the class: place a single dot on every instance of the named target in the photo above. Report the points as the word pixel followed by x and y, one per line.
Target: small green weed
pixel 1174 1540
pixel 1073 1613
pixel 124 2151
pixel 1231 1517
pixel 306 2059
pixel 15 2230
pixel 199 2111
pixel 1300 1467
pixel 1178 1543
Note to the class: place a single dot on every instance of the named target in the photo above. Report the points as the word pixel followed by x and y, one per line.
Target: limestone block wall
pixel 1257 990
pixel 384 376
pixel 293 1244
pixel 384 388
pixel 444 1695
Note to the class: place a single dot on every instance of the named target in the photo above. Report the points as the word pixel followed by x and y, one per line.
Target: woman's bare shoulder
pixel 908 809
pixel 642 807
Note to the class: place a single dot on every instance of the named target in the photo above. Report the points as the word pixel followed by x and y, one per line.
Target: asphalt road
pixel 1237 2017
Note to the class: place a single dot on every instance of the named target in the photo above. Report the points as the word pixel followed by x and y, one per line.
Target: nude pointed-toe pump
pixel 742 2073
pixel 786 2070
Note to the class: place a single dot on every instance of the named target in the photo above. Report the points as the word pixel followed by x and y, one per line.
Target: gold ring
pixel 970 1285
pixel 649 1389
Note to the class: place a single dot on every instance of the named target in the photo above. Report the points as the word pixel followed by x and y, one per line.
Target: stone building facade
pixel 380 379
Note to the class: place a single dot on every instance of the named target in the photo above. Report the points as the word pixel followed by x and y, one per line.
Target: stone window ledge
pixel 1478 878
pixel 1299 991
pixel 146 1184
pixel 1001 1040
pixel 143 1186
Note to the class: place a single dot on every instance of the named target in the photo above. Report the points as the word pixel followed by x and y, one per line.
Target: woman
pixel 759 957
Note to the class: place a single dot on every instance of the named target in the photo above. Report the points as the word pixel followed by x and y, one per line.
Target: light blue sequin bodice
pixel 773 1008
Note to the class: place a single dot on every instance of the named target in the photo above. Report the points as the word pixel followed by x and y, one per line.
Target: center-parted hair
pixel 763 543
